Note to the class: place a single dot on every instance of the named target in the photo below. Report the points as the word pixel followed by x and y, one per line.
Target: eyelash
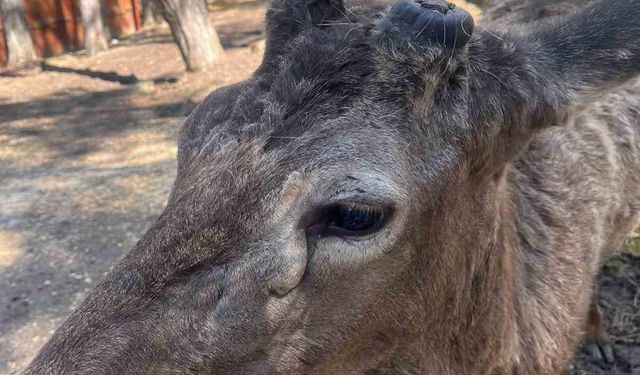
pixel 350 219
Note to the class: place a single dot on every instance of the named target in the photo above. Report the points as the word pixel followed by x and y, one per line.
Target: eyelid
pixel 315 213
pixel 332 230
pixel 313 219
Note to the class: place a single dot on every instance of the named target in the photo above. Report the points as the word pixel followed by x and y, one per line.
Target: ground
pixel 86 164
pixel 619 285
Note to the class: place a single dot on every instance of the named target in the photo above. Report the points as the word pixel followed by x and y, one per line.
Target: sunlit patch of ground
pixel 132 150
pixel 10 247
pixel 21 342
pixel 473 9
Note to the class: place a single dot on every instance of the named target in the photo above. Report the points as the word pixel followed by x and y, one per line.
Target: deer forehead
pixel 327 84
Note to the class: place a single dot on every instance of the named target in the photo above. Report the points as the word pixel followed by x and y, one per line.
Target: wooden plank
pixel 55 26
pixel 136 14
pixel 3 46
pixel 121 15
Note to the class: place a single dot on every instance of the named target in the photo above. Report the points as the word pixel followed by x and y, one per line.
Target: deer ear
pixel 323 12
pixel 525 80
pixel 288 18
pixel 297 15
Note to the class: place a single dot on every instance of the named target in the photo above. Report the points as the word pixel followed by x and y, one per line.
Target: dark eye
pixel 352 219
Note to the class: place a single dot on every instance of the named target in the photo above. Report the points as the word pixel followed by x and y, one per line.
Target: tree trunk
pixel 18 38
pixel 198 41
pixel 150 13
pixel 95 39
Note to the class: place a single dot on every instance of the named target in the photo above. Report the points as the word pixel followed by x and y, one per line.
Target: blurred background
pixel 92 96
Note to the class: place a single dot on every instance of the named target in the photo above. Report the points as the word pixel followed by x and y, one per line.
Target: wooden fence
pixel 56 26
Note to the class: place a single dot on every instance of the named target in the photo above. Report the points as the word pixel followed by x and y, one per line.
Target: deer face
pixel 335 213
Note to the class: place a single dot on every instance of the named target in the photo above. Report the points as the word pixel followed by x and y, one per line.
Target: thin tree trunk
pixel 198 41
pixel 18 38
pixel 150 13
pixel 95 39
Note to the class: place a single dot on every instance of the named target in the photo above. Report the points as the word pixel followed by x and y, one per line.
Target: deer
pixel 395 190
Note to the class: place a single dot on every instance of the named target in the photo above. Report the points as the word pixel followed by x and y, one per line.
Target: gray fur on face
pixel 494 158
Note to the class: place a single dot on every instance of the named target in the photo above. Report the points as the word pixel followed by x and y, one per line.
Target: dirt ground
pixel 86 164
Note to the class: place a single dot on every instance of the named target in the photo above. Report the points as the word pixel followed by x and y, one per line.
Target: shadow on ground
pixel 82 175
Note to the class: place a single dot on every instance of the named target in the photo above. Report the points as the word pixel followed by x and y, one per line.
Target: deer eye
pixel 353 219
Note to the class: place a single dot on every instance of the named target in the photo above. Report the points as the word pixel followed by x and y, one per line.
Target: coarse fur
pixel 510 167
